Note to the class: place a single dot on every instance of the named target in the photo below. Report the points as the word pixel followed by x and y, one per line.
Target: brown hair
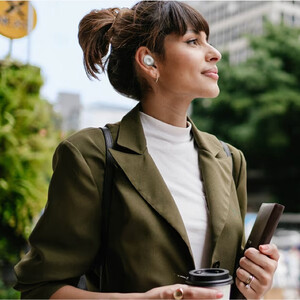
pixel 124 31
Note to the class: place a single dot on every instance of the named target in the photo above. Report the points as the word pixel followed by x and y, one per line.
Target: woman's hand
pixel 182 291
pixel 176 291
pixel 256 271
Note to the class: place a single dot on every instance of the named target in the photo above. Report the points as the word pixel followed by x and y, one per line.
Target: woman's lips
pixel 212 73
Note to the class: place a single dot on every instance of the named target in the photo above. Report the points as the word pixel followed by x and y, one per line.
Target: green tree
pixel 27 141
pixel 258 110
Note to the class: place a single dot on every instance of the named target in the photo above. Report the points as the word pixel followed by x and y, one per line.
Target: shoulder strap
pixel 227 150
pixel 106 202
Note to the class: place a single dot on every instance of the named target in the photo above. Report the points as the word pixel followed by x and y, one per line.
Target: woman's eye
pixel 193 42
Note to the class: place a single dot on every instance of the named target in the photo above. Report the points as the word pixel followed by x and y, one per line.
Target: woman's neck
pixel 169 111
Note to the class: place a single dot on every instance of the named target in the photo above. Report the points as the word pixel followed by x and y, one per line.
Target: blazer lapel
pixel 132 156
pixel 216 171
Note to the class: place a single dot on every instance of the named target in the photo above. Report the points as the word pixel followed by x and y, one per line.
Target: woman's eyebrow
pixel 196 32
pixel 192 31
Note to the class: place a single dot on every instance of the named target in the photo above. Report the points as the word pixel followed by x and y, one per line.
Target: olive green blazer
pixel 148 244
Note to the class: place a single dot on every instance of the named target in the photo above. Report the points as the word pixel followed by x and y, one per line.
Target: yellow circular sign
pixel 14 18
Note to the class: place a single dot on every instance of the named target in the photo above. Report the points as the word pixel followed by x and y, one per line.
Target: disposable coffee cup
pixel 214 278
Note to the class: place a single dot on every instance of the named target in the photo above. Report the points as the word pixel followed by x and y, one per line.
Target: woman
pixel 178 201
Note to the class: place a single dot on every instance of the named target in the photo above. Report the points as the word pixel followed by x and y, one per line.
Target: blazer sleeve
pixel 64 242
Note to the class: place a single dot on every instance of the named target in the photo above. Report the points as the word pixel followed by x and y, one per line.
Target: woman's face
pixel 189 66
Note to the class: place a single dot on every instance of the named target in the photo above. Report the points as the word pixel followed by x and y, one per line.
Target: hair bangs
pixel 178 17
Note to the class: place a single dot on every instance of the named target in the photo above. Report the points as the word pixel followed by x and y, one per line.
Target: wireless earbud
pixel 148 60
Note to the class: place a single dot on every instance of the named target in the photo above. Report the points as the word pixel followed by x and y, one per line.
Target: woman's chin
pixel 213 93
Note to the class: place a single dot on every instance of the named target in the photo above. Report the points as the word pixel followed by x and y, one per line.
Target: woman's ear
pixel 146 62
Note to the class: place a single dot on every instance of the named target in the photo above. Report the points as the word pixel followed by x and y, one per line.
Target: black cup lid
pixel 209 277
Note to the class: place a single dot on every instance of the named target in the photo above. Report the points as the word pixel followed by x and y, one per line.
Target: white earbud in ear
pixel 148 60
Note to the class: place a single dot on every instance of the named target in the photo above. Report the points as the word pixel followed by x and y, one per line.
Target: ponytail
pixel 94 38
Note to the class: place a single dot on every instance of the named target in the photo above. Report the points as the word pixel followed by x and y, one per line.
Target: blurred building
pixel 68 106
pixel 99 114
pixel 230 21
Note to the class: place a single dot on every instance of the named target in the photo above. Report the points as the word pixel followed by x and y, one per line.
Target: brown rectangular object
pixel 265 224
pixel 262 231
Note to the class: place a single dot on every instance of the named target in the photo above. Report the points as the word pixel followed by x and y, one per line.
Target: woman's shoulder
pixel 88 139
pixel 85 134
pixel 84 138
pixel 213 140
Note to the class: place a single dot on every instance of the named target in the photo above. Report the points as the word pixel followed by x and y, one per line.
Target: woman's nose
pixel 213 54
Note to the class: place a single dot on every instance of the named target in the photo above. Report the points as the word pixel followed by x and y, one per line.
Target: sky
pixel 54 48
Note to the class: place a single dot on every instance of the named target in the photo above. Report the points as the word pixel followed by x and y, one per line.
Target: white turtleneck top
pixel 175 154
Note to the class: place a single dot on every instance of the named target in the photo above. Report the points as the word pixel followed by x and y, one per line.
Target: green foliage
pixel 258 110
pixel 27 141
pixel 8 293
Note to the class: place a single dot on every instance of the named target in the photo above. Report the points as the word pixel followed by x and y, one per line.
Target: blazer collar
pixel 131 123
pixel 131 133
pixel 216 173
pixel 216 169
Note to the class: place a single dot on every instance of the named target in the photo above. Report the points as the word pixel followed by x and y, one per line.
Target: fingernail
pixel 264 247
pixel 219 295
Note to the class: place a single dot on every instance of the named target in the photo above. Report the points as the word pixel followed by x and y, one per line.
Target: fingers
pixel 245 277
pixel 257 267
pixel 252 291
pixel 254 261
pixel 249 285
pixel 181 291
pixel 270 250
pixel 201 293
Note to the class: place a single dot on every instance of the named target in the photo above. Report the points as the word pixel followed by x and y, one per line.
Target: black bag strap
pixel 106 202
